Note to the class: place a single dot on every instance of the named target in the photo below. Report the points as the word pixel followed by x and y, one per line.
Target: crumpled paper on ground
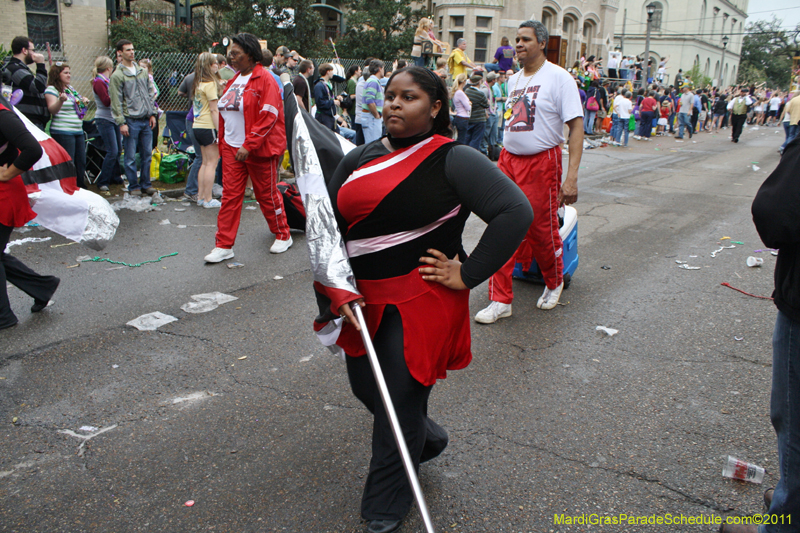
pixel 608 331
pixel 140 204
pixel 151 321
pixel 204 303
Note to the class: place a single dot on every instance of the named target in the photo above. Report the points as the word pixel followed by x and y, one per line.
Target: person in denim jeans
pixel 622 111
pixel 186 90
pixel 775 217
pixel 133 108
pixel 372 103
pixel 104 122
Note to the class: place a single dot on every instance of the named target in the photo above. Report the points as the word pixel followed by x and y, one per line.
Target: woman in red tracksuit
pixel 252 140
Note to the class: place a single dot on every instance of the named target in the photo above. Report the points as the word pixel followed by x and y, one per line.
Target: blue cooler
pixel 569 236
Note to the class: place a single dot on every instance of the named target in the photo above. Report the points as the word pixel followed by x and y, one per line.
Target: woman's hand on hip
pixel 442 270
pixel 348 315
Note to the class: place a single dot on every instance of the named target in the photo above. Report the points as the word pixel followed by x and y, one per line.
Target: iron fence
pixel 169 70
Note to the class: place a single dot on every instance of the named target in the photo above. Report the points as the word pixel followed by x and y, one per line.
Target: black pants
pixel 695 116
pixel 737 122
pixel 15 271
pixel 387 493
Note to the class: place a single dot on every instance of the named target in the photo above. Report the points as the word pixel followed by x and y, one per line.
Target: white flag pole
pixel 396 429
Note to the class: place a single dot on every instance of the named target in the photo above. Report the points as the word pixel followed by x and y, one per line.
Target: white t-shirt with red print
pixel 231 107
pixel 537 119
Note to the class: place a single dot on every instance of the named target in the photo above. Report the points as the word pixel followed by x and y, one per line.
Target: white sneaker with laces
pixel 279 246
pixel 494 312
pixel 550 298
pixel 212 204
pixel 218 255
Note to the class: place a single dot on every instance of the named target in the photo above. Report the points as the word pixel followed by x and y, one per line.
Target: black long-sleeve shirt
pixel 33 104
pixel 17 145
pixel 776 214
pixel 454 176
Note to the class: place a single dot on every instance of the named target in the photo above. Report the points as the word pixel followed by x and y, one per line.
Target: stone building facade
pixel 689 32
pixel 59 22
pixel 584 27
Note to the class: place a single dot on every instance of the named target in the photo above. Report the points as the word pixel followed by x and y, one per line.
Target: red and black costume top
pixel 21 149
pixel 391 207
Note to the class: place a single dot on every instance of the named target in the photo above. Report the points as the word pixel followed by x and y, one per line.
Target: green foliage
pixel 155 37
pixel 767 52
pixel 379 28
pixel 293 23
pixel 4 51
pixel 699 80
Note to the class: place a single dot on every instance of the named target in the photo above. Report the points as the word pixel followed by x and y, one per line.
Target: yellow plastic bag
pixel 155 163
pixel 285 163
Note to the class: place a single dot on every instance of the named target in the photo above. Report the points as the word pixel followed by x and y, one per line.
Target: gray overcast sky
pixel 780 8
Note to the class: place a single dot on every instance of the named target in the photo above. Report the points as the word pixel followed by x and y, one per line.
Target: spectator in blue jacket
pixel 326 102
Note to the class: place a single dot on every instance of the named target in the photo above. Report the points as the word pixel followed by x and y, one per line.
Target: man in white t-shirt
pixel 774 107
pixel 613 64
pixel 542 97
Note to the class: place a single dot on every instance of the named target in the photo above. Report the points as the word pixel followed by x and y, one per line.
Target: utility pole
pixel 651 8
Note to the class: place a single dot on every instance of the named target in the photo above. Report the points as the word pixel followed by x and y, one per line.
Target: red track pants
pixel 539 177
pixel 264 173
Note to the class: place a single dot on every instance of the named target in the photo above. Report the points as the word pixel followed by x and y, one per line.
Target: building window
pixel 43 23
pixel 481 45
pixel 483 22
pixel 454 37
pixel 457 22
pixel 655 24
pixel 441 23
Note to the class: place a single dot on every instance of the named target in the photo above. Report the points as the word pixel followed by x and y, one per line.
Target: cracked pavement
pixel 551 417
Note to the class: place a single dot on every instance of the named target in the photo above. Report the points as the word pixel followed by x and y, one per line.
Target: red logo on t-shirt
pixel 523 112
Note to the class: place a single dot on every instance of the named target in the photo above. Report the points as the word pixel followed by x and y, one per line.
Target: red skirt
pixel 436 335
pixel 15 210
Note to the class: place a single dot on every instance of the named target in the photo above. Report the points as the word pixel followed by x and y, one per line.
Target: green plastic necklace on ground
pixel 106 260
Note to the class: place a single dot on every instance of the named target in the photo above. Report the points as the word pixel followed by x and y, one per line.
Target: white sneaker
pixel 494 312
pixel 279 246
pixel 219 254
pixel 201 202
pixel 550 298
pixel 212 204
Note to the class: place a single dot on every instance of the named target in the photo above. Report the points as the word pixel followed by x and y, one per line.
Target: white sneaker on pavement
pixel 550 298
pixel 219 254
pixel 494 312
pixel 279 246
pixel 212 204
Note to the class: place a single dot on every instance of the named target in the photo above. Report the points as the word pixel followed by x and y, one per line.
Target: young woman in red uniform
pixel 401 203
pixel 19 151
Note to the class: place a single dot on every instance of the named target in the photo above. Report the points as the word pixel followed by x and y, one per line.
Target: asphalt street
pixel 242 411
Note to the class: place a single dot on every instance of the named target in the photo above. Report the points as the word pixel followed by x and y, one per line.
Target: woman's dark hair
pixel 249 45
pixel 504 41
pixel 432 85
pixel 352 70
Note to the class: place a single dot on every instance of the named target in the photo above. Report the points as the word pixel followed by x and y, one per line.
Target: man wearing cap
pixel 279 62
pixel 479 112
pixel 542 98
pixel 490 133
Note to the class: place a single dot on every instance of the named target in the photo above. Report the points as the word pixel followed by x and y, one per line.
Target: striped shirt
pixel 66 120
pixel 373 94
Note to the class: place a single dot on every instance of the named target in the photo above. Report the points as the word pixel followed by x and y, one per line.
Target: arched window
pixel 550 19
pixel 702 18
pixel 707 67
pixel 658 14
